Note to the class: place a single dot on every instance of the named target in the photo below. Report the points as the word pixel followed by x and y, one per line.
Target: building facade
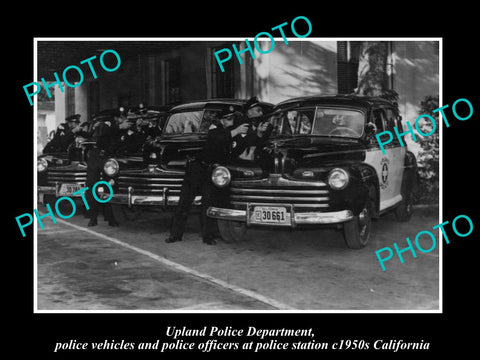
pixel 184 71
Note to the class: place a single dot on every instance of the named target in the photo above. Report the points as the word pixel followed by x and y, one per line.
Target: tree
pixel 373 81
pixel 372 68
pixel 428 156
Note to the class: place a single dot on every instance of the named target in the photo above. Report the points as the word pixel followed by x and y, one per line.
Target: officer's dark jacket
pixel 252 139
pixel 106 137
pixel 221 148
pixel 83 133
pixel 153 132
pixel 130 141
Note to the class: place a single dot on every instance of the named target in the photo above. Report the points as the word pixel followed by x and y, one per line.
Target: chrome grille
pixel 66 176
pixel 277 189
pixel 151 182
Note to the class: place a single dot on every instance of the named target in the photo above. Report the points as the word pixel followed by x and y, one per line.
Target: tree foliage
pixel 373 81
pixel 428 156
pixel 372 68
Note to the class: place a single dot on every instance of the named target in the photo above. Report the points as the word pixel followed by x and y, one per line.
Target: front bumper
pixel 55 190
pixel 163 199
pixel 296 218
pixel 47 190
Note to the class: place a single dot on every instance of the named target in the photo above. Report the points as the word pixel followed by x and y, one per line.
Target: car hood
pixel 172 152
pixel 287 155
pixel 292 152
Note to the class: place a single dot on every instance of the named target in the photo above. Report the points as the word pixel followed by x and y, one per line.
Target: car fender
pixel 369 178
pixel 410 178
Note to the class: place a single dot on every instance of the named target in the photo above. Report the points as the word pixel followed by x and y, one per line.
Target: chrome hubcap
pixel 409 208
pixel 363 222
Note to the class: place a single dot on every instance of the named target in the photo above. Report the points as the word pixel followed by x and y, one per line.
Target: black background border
pixel 449 331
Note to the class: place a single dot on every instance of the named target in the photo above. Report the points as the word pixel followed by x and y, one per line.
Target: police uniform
pixel 130 140
pixel 105 134
pixel 219 148
pixel 63 137
pixel 251 141
pixel 154 129
pixel 152 133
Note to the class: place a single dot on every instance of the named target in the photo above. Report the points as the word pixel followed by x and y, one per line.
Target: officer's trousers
pixel 197 182
pixel 95 163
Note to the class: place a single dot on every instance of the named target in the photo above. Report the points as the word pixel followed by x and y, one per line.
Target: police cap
pixel 142 109
pixel 73 118
pixel 252 102
pixel 107 115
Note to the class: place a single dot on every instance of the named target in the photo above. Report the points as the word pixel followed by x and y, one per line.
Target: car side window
pixel 378 120
pixel 391 121
pixel 210 116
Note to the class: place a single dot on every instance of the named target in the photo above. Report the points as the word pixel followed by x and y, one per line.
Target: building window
pixel 347 66
pixel 221 84
pixel 172 81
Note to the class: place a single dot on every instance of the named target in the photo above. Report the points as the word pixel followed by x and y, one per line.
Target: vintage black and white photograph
pixel 237 174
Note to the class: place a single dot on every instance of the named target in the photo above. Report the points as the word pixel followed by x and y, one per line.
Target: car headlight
pixel 338 179
pixel 111 167
pixel 42 165
pixel 221 176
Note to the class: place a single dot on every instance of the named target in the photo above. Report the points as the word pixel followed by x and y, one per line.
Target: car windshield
pixel 191 122
pixel 321 121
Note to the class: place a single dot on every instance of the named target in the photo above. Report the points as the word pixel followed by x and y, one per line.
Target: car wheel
pixel 357 230
pixel 404 210
pixel 232 231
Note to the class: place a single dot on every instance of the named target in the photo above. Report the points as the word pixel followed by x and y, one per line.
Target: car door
pixel 389 166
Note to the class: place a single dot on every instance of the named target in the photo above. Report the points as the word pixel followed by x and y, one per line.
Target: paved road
pixel 132 268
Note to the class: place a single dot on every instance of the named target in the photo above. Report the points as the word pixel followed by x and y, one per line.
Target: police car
pixel 321 166
pixel 157 180
pixel 62 171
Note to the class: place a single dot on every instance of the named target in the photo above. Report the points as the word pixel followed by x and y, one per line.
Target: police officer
pixel 106 139
pixel 259 129
pixel 224 143
pixel 153 132
pixel 253 108
pixel 76 150
pixel 156 122
pixel 64 135
pixel 130 136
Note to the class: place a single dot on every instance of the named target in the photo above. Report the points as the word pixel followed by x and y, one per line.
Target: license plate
pixel 68 189
pixel 270 215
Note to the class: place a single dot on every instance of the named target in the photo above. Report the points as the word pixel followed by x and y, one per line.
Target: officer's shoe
pixel 92 222
pixel 209 241
pixel 172 239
